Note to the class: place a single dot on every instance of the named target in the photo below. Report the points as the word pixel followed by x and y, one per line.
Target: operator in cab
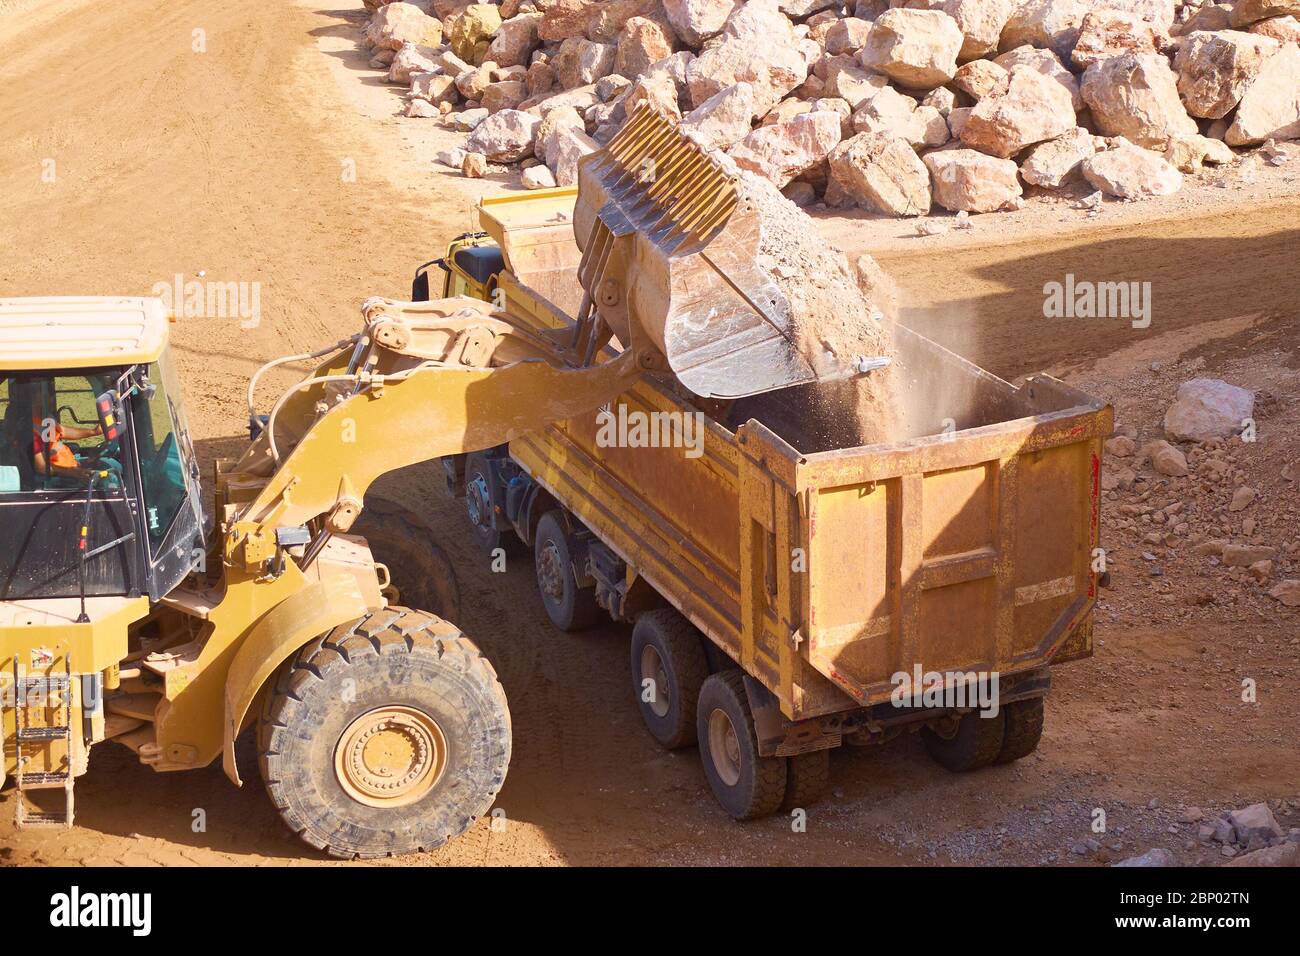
pixel 52 456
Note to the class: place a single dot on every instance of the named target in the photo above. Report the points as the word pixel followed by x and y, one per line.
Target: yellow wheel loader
pixel 381 729
pixel 126 616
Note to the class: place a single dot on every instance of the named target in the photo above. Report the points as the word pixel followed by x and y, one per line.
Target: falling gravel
pixel 833 324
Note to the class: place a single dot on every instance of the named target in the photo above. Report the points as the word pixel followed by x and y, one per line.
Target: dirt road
pixel 274 156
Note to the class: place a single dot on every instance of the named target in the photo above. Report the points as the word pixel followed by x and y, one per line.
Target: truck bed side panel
pixel 982 564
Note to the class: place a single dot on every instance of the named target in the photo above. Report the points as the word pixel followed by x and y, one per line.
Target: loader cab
pixel 99 447
pixel 470 267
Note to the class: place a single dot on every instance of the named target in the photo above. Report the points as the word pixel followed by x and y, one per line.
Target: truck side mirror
pixel 420 290
pixel 108 405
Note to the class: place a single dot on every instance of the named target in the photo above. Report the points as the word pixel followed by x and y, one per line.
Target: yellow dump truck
pixel 788 597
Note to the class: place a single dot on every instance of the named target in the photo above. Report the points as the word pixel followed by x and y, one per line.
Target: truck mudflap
pixel 779 737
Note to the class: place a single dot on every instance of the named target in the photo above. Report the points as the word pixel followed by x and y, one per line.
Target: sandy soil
pixel 231 162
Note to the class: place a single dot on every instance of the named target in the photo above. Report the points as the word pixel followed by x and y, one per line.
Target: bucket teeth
pixel 670 263
pixel 665 183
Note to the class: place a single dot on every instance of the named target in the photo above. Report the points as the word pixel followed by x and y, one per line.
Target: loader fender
pixel 292 623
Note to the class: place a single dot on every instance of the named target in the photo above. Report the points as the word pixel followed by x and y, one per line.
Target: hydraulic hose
pixel 252 382
pixel 355 378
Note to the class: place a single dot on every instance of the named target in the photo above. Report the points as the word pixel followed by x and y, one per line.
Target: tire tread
pixel 806 779
pixel 769 773
pixel 389 631
pixel 976 744
pixel 687 660
pixel 1024 729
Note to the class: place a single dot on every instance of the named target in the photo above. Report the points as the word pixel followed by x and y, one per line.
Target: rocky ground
pixel 898 107
pixel 1213 518
pixel 229 162
pixel 1201 533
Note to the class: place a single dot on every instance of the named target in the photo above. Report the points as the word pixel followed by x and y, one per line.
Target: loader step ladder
pixel 47 686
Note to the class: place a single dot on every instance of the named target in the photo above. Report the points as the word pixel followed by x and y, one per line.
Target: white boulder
pixel 1206 408
pixel 504 137
pixel 1136 96
pixel 782 151
pixel 883 173
pixel 915 48
pixel 1032 110
pixel 966 180
pixel 1270 107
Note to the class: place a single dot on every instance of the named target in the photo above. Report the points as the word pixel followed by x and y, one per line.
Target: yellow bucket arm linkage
pixel 422 380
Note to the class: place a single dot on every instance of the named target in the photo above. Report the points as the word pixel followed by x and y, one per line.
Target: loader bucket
pixel 669 261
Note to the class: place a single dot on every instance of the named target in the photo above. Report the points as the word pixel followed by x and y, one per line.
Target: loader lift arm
pixel 668 266
pixel 424 380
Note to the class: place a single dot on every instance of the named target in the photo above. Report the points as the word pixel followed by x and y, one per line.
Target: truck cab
pixel 470 267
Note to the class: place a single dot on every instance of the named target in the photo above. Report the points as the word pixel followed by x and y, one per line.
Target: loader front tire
pixel 386 736
pixel 668 652
pixel 975 744
pixel 1024 729
pixel 570 607
pixel 420 570
pixel 746 784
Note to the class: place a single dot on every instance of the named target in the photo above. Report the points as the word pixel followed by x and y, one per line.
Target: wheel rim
pixel 652 666
pixel 478 502
pixel 946 728
pixel 724 747
pixel 550 571
pixel 390 756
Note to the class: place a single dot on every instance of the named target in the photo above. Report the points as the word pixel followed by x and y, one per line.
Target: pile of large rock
pixel 891 105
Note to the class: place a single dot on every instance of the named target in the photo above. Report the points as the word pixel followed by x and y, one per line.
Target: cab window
pixel 161 445
pixel 50 438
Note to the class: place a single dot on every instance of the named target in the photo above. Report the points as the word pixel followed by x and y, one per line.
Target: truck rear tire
pixel 386 736
pixel 975 744
pixel 805 779
pixel 746 784
pixel 480 508
pixel 570 608
pixel 668 651
pixel 420 570
pixel 1024 729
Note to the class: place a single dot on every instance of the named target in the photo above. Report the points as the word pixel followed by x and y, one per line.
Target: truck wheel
pixel 746 784
pixel 481 510
pixel 976 743
pixel 668 652
pixel 569 607
pixel 805 779
pixel 420 570
pixel 1024 729
pixel 386 736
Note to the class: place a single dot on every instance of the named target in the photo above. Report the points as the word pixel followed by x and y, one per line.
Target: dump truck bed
pixel 825 572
